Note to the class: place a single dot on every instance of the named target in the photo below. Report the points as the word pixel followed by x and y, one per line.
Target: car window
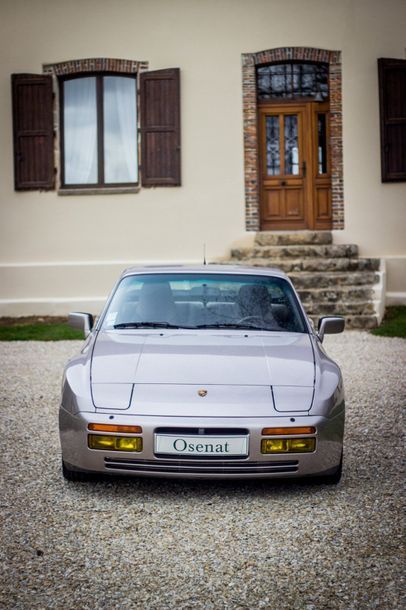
pixel 198 300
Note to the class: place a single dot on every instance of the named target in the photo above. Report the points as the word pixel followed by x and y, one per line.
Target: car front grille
pixel 201 467
pixel 202 431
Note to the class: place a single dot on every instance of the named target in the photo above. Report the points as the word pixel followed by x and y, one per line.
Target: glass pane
pixel 120 130
pixel 198 300
pixel 308 82
pixel 291 145
pixel 273 163
pixel 80 130
pixel 322 143
pixel 292 80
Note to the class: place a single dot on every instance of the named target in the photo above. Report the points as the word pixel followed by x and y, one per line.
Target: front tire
pixel 333 479
pixel 75 475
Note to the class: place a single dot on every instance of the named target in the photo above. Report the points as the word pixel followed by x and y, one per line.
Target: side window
pixel 101 129
pixel 392 98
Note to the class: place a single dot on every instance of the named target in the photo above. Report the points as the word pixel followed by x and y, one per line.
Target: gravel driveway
pixel 173 544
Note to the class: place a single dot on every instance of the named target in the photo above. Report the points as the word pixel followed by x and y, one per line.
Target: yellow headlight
pixel 128 443
pixel 115 443
pixel 274 445
pixel 288 445
pixel 302 444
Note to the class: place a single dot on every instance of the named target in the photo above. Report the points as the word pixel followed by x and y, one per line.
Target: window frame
pixel 100 185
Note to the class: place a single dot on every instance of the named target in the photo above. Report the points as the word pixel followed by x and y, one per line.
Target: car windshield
pixel 199 301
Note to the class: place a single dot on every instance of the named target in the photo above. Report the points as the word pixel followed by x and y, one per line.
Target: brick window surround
pixel 99 64
pixel 285 54
pixel 77 66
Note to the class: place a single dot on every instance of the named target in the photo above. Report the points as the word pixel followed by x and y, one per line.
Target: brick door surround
pixel 285 54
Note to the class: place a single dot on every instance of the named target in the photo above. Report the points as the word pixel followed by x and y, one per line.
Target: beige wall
pixel 205 38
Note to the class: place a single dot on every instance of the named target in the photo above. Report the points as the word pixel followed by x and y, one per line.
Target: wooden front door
pixel 295 166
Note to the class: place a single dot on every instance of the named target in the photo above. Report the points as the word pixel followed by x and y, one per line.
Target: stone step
pixel 354 321
pixel 330 278
pixel 312 264
pixel 335 294
pixel 342 308
pixel 307 251
pixel 293 238
pixel 326 279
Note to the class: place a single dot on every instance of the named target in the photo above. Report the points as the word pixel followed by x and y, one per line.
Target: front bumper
pixel 325 459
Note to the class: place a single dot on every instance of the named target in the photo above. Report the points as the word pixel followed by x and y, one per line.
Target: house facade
pixel 150 131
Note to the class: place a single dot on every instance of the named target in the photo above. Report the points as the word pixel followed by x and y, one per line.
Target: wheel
pixel 75 475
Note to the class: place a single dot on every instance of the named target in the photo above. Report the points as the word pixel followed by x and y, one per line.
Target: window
pixel 99 135
pixel 392 97
pixel 202 300
pixel 293 80
pixel 103 125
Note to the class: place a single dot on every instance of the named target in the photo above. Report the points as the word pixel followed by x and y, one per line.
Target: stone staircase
pixel 330 278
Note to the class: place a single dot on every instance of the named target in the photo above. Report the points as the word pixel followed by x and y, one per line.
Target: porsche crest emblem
pixel 202 393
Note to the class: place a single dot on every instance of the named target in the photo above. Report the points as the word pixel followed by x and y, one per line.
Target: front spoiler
pixel 325 459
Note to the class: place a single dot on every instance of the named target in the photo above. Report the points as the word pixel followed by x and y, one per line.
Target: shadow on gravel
pixel 155 488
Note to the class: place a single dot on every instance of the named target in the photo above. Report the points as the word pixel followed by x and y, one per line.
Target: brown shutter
pixel 160 128
pixel 392 98
pixel 33 131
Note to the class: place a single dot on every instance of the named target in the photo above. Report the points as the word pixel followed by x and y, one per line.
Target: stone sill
pixel 115 190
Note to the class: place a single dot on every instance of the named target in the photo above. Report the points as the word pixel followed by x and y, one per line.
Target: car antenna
pixel 204 254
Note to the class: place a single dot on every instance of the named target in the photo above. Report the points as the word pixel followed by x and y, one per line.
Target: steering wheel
pixel 250 318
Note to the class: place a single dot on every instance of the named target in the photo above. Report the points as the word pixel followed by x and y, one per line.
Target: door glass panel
pixel 291 144
pixel 322 144
pixel 273 156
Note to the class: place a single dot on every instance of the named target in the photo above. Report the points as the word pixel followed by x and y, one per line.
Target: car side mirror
pixel 81 321
pixel 330 325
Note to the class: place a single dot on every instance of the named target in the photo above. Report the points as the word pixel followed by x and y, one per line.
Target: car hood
pixel 123 363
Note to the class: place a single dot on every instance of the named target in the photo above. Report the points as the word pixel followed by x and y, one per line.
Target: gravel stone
pixel 157 544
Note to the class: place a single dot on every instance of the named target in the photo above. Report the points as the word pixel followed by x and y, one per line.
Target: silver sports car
pixel 208 371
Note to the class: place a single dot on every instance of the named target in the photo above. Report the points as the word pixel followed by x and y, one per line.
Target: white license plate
pixel 204 445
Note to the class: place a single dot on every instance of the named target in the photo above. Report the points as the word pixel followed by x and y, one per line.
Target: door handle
pixel 304 168
pixel 283 183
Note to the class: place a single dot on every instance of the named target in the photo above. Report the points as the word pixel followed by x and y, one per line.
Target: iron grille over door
pixel 292 81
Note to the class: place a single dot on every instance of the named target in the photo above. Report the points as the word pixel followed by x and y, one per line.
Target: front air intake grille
pixel 203 431
pixel 220 467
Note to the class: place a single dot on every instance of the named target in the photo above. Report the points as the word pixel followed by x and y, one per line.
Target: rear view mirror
pixel 81 321
pixel 330 325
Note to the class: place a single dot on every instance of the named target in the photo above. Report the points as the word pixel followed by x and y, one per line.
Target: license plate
pixel 204 445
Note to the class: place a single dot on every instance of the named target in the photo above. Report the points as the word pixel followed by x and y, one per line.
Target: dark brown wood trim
pixel 100 130
pixel 384 66
pixel 61 83
pixel 160 156
pixel 33 123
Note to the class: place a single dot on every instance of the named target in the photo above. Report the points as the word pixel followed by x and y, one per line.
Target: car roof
pixel 209 268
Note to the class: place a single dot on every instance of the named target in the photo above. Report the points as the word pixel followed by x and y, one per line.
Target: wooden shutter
pixel 160 128
pixel 33 131
pixel 392 97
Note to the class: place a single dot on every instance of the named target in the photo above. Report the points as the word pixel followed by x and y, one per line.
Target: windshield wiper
pixel 230 325
pixel 146 325
pixel 199 326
